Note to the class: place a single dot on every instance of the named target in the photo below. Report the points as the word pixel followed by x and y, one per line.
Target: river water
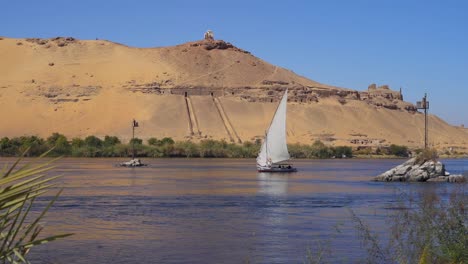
pixel 217 210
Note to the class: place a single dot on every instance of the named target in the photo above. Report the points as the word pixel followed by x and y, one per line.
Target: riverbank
pixel 112 146
pixel 455 156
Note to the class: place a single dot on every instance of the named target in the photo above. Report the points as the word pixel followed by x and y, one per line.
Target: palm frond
pixel 19 188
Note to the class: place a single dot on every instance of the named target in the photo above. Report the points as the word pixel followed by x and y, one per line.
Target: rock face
pixel 412 171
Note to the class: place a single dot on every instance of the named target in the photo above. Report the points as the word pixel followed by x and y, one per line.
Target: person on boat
pixel 289 166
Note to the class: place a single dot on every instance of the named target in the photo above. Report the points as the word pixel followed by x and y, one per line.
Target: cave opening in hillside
pixel 185 94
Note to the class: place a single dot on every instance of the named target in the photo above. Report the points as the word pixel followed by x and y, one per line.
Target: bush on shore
pixel 399 151
pixel 426 155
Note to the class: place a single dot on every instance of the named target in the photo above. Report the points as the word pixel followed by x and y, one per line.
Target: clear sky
pixel 421 46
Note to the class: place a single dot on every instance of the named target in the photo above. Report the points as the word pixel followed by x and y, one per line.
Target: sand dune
pixel 97 87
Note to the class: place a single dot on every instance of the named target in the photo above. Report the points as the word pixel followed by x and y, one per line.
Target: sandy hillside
pixel 197 90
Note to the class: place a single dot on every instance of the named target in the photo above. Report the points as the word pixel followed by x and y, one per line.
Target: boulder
pixel 456 178
pixel 414 171
pixel 402 169
pixel 438 179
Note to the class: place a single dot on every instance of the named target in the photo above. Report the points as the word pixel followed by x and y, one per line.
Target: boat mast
pixel 266 147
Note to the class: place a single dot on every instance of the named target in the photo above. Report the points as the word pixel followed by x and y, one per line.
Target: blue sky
pixel 421 46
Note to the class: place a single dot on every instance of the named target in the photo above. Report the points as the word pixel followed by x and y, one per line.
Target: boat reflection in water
pixel 273 214
pixel 272 184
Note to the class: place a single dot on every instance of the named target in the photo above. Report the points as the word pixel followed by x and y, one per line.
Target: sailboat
pixel 274 150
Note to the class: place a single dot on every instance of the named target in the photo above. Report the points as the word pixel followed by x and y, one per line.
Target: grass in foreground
pixel 424 228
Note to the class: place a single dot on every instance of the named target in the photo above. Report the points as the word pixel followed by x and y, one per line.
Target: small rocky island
pixel 419 170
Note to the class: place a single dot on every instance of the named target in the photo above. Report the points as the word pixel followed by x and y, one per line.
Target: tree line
pixel 112 146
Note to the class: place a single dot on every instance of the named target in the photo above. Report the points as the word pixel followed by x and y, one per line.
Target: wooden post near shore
pixel 134 124
pixel 424 104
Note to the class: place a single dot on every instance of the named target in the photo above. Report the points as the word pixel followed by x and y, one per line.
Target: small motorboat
pixel 132 163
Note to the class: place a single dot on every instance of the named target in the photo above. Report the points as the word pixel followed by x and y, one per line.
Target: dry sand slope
pixel 97 87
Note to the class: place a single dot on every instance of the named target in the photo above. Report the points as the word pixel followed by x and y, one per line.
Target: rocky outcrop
pixel 414 171
pixel 60 41
pixel 217 44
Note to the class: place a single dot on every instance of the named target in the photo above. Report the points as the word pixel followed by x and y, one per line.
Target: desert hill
pixel 201 89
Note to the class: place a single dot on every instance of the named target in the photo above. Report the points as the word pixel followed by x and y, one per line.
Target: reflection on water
pixel 272 183
pixel 214 211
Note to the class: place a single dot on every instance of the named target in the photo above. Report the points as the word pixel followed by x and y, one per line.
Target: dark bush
pixel 136 141
pixel 111 141
pixel 400 151
pixel 343 152
pixel 60 145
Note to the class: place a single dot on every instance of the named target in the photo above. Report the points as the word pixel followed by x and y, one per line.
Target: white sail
pixel 274 148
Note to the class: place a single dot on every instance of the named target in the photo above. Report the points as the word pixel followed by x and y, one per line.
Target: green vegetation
pixel 319 150
pixel 391 151
pixel 112 146
pixel 426 229
pixel 427 154
pixel 19 227
pixel 422 228
pixel 399 151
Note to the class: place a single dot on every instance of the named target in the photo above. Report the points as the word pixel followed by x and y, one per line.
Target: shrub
pixel 400 151
pixel 185 149
pixel 121 150
pixel 136 141
pixel 7 148
pixel 426 155
pixel 427 228
pixel 153 142
pixel 366 151
pixel 77 143
pixel 167 141
pixel 343 152
pixel 297 151
pixel 33 144
pixel 111 141
pixel 213 149
pixel 60 145
pixel 92 141
pixel 250 150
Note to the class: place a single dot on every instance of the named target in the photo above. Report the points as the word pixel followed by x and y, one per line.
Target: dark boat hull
pixel 277 169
